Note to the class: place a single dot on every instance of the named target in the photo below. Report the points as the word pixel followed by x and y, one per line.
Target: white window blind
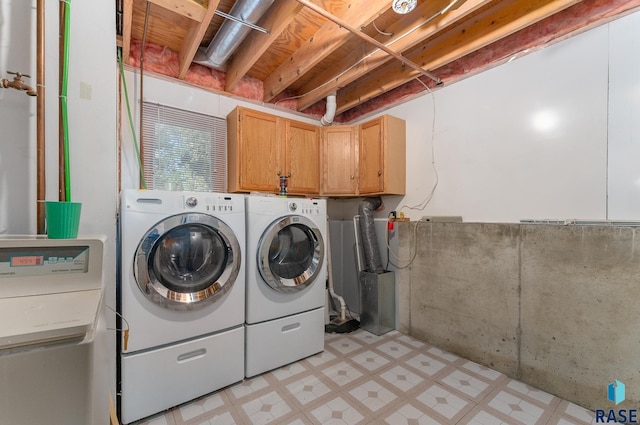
pixel 183 150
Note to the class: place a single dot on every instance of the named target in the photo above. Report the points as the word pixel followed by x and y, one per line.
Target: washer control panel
pixel 172 202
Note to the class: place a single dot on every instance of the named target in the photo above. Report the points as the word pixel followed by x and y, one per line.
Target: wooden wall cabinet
pixel 301 152
pixel 253 151
pixel 339 160
pixel 262 147
pixel 382 157
pixel 368 159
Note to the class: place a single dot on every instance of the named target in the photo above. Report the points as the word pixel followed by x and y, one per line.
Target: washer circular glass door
pixel 290 253
pixel 187 261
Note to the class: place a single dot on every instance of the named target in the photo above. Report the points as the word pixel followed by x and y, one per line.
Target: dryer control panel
pixel 212 203
pixel 305 207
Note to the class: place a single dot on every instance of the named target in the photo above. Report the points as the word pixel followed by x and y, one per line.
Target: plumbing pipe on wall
pixel 41 186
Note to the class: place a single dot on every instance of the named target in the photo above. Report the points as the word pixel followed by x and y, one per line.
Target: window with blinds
pixel 183 150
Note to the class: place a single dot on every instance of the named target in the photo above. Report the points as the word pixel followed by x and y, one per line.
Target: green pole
pixel 63 100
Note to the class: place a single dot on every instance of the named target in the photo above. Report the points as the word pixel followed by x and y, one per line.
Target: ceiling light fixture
pixel 403 6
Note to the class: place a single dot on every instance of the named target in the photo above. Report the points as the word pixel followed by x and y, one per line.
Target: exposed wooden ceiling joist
pixel 328 38
pixel 407 32
pixel 254 46
pixel 485 28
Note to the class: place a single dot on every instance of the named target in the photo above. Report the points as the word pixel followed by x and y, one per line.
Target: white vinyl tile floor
pixel 392 379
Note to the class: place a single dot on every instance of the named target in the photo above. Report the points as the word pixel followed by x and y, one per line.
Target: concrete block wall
pixel 553 306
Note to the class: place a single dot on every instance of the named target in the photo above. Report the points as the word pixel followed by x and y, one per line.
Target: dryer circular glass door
pixel 290 254
pixel 187 261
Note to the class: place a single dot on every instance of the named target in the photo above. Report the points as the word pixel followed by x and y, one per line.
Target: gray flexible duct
pixel 373 264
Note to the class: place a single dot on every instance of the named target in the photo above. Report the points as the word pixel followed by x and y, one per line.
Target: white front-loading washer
pixel 181 296
pixel 286 279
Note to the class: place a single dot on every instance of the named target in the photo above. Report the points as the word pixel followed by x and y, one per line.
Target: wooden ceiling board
pixel 195 31
pixel 327 39
pixel 225 7
pixel 257 43
pixel 187 8
pixel 164 27
pixel 303 27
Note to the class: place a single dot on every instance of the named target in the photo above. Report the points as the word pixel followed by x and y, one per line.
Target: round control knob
pixel 191 201
pixel 293 206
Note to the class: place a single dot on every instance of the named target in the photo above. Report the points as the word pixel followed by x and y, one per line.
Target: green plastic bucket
pixel 63 219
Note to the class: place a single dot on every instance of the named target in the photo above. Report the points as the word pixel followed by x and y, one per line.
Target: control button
pixel 293 206
pixel 191 201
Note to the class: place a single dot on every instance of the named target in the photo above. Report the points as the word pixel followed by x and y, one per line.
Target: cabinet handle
pixel 353 177
pixel 279 173
pixel 379 173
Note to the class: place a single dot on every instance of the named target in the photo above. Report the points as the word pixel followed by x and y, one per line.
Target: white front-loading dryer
pixel 181 295
pixel 286 279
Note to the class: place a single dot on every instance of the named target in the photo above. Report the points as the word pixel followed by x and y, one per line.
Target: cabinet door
pixel 382 162
pixel 302 157
pixel 371 161
pixel 258 154
pixel 339 160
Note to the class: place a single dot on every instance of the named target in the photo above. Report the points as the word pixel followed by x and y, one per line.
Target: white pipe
pixel 343 306
pixel 327 119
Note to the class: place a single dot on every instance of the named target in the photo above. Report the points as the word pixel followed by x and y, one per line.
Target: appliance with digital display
pixel 286 278
pixel 181 291
pixel 53 331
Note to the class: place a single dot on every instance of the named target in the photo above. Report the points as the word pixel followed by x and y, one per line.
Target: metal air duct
pixel 232 32
pixel 366 208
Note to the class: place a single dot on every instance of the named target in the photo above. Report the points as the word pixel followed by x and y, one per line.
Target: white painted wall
pixel 624 119
pixel 92 94
pixel 17 119
pixel 550 135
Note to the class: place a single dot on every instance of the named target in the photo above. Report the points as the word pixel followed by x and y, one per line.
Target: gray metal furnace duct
pixel 368 233
pixel 232 32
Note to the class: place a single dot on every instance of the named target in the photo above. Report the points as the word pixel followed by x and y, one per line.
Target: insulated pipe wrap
pixel 373 264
